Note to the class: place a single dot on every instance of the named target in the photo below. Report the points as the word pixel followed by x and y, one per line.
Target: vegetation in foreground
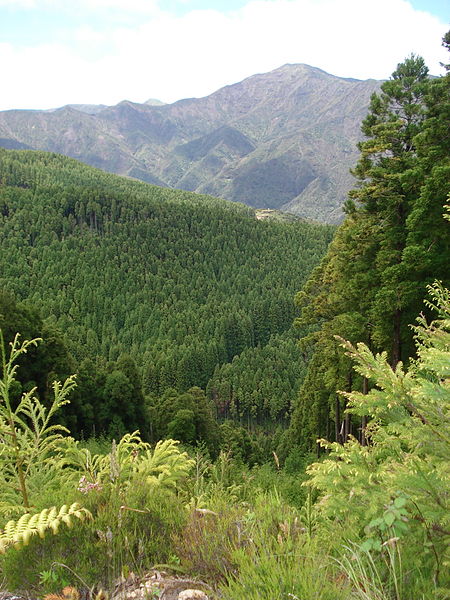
pixel 378 529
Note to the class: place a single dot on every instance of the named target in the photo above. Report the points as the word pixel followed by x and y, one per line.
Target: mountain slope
pixel 284 139
pixel 182 282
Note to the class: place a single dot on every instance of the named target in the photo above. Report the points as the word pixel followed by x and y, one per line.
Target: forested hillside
pixel 153 285
pixel 284 139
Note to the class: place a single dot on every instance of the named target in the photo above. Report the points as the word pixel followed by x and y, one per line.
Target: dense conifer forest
pixel 205 436
pixel 150 290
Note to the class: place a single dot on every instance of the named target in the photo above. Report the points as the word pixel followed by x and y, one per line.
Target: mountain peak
pixel 281 140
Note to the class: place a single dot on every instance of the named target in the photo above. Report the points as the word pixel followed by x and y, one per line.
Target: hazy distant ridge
pixel 284 139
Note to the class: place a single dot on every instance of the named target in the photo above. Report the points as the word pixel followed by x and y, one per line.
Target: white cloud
pixel 170 57
pixel 126 5
pixel 141 6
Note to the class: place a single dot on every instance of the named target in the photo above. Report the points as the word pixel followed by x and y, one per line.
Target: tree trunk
pixel 397 339
pixel 365 391
pixel 337 419
pixel 347 421
pixel 347 426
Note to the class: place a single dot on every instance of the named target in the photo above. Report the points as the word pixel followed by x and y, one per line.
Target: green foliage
pixel 183 426
pixel 388 528
pixel 195 281
pixel 131 531
pixel 259 386
pixel 282 571
pixel 397 487
pixel 206 543
pixel 133 460
pixel 54 579
pixel 215 542
pixel 130 492
pixel 164 466
pixel 18 533
pixel 277 560
pixel 217 484
pixel 267 479
pixel 369 578
pixel 193 309
pixel 237 441
pixel 372 282
pixel 33 448
pixel 393 574
pixel 188 417
pixel 43 363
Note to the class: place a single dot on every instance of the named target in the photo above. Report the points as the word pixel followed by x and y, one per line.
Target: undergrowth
pixel 364 523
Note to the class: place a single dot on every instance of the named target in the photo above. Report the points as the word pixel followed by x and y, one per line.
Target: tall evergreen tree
pixel 392 243
pixel 390 179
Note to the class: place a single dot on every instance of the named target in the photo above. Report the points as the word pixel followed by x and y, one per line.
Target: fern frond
pixel 18 533
pixel 165 465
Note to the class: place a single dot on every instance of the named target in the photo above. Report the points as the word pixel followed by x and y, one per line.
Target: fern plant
pixel 33 452
pixel 31 446
pixel 18 533
pixel 133 507
pixel 132 458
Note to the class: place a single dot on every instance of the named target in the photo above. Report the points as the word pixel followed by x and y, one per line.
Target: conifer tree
pixel 426 256
pixel 390 178
pixel 393 242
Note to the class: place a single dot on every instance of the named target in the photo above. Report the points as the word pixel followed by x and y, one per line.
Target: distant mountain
pixel 90 109
pixel 283 140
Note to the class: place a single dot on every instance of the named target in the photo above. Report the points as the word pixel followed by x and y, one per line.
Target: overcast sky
pixel 55 52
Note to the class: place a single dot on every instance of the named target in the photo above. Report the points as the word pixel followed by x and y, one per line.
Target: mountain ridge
pixel 283 140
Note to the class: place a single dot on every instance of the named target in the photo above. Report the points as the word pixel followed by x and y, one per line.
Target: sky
pixel 56 52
